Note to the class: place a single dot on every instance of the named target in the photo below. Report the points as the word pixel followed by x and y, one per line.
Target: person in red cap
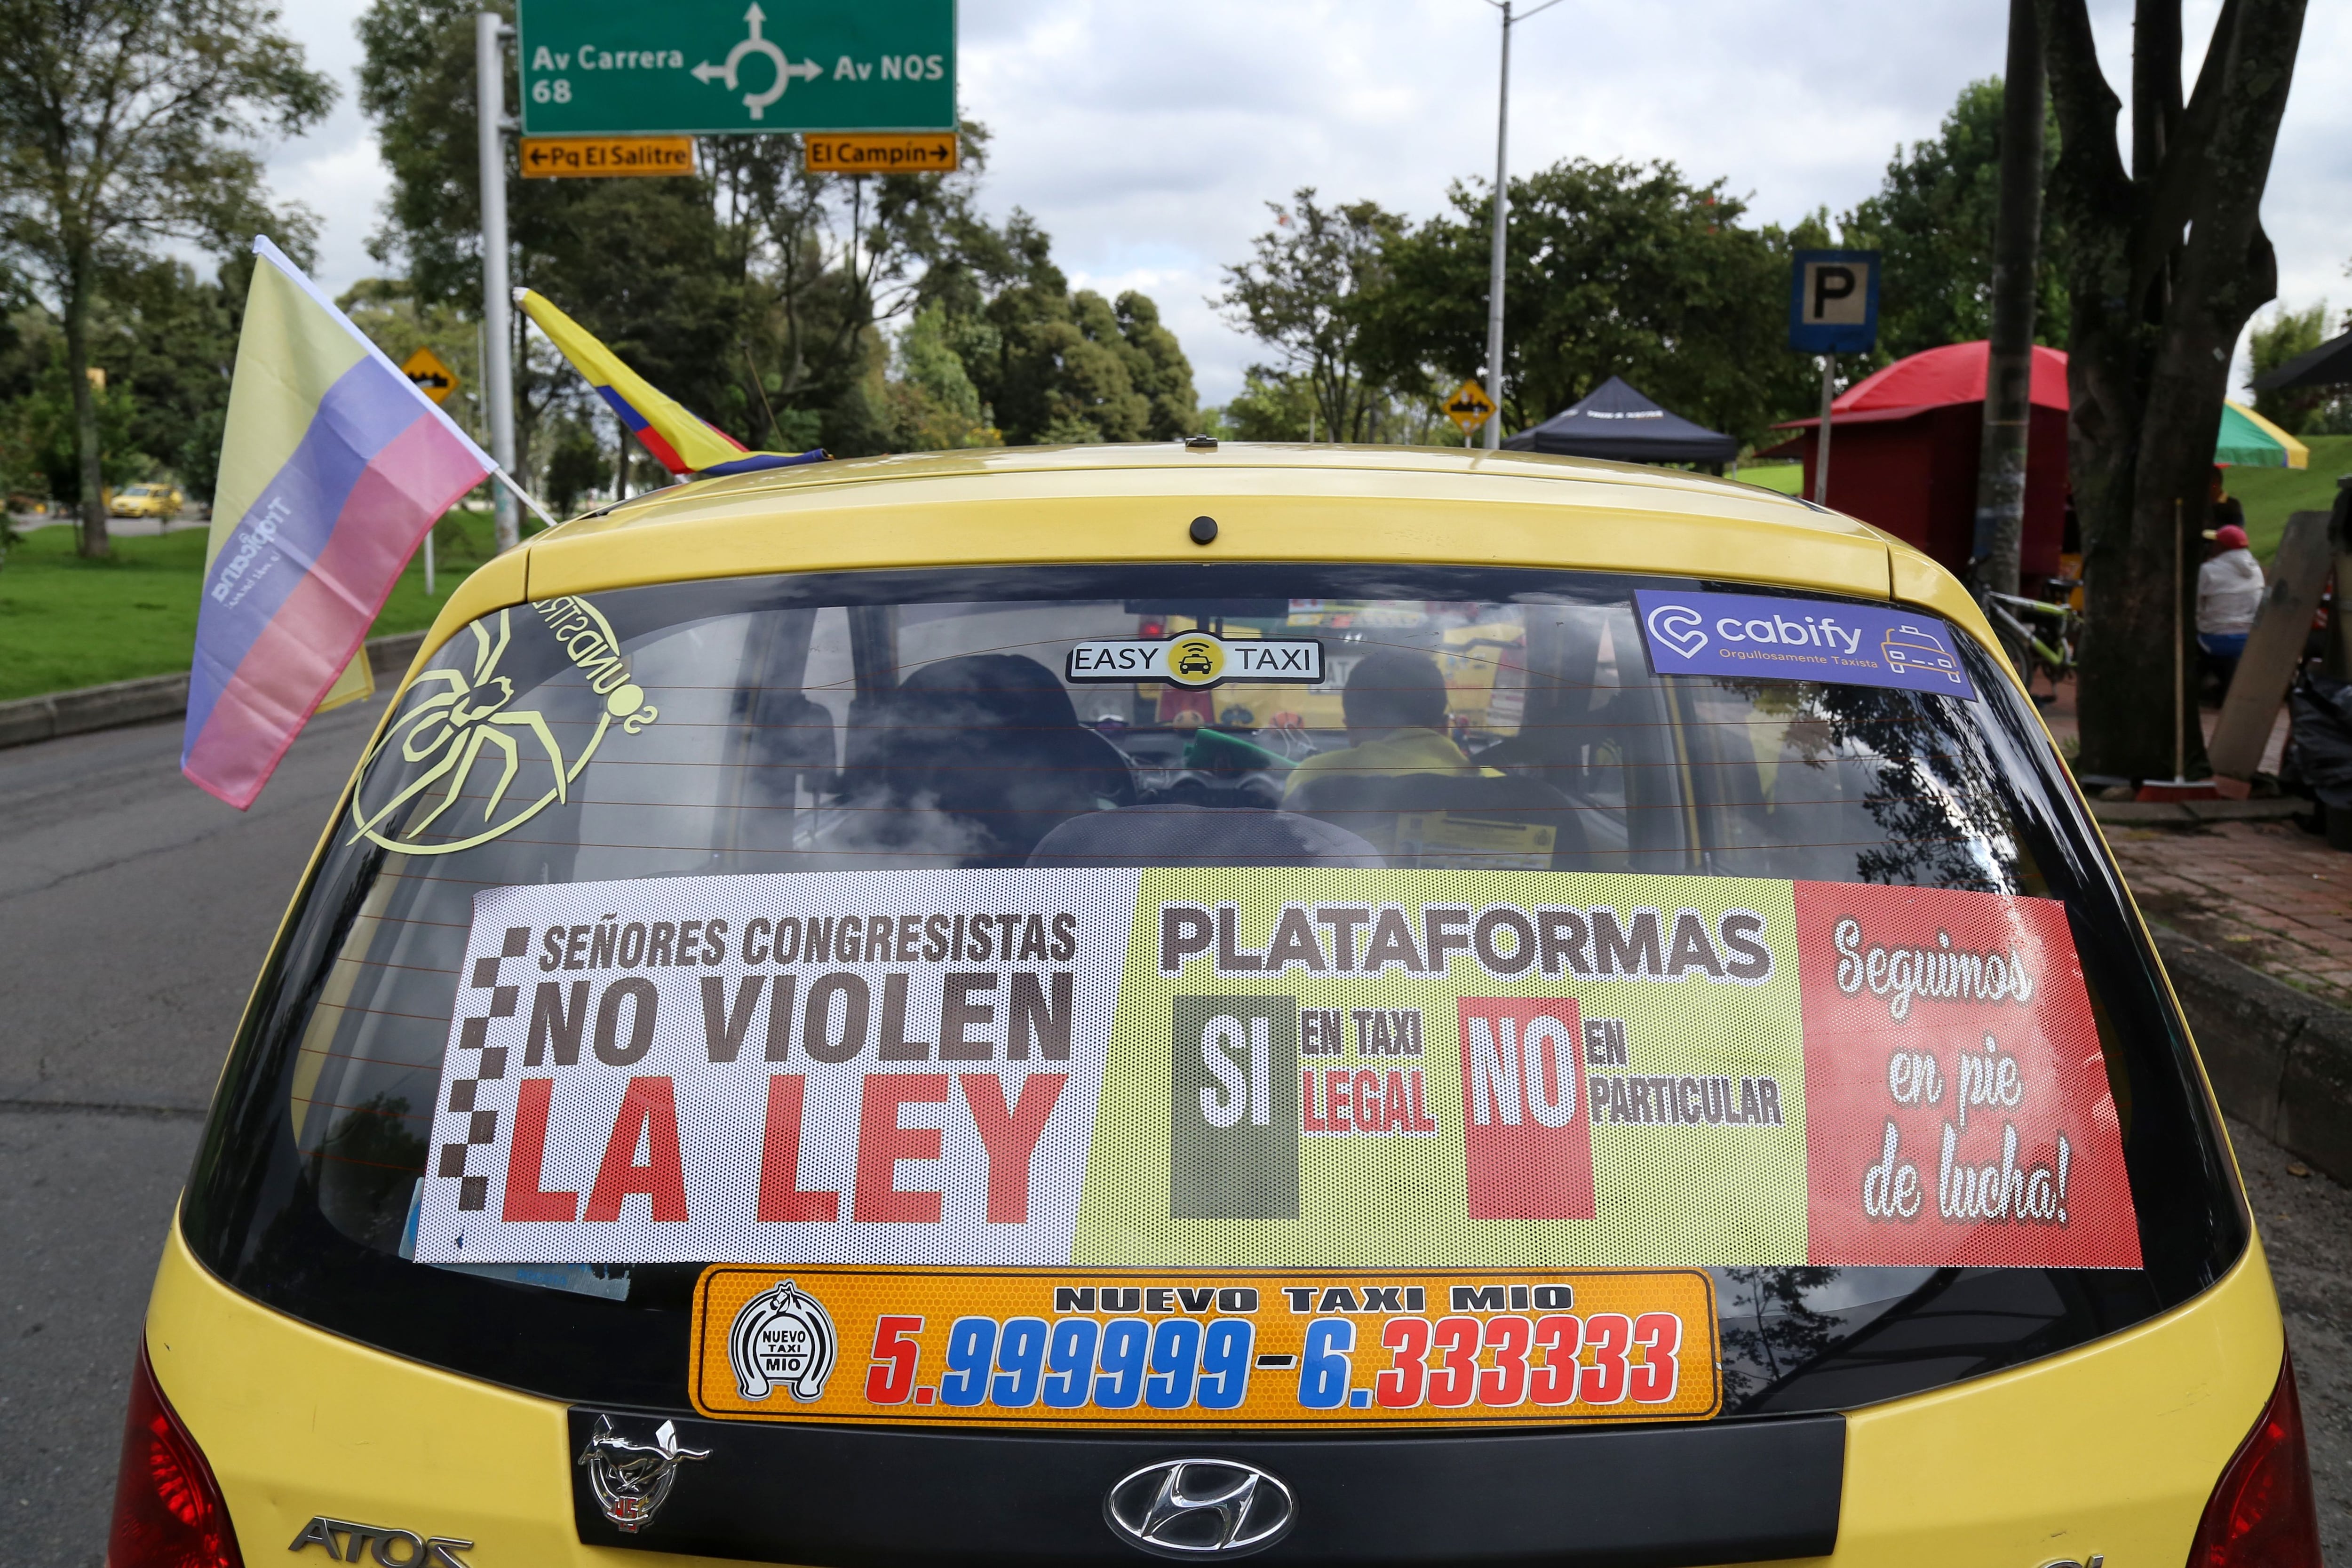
pixel 2229 591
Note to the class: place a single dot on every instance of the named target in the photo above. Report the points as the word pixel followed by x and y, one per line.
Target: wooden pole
pixel 2180 653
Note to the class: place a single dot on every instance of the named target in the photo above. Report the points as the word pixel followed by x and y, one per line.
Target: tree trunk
pixel 2008 367
pixel 91 526
pixel 2168 262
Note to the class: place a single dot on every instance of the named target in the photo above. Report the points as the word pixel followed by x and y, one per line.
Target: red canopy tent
pixel 1904 446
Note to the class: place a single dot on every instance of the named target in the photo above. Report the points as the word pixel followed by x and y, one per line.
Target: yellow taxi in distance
pixel 1580 1019
pixel 162 501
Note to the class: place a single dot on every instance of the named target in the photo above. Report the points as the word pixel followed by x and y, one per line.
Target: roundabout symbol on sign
pixel 757 102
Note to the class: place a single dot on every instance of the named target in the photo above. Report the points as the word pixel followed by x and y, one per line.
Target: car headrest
pixel 1001 690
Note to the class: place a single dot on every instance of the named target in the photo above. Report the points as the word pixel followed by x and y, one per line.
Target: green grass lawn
pixel 2270 494
pixel 1784 477
pixel 66 622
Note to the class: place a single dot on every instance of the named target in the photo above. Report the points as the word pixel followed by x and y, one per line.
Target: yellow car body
pixel 2106 1449
pixel 161 501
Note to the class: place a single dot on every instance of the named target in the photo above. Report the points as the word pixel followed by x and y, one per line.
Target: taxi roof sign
pixel 1470 406
pixel 433 378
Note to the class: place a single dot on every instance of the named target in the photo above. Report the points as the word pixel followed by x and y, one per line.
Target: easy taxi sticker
pixel 1197 660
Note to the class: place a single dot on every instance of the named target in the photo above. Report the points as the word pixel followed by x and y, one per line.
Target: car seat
pixel 990 740
pixel 1458 820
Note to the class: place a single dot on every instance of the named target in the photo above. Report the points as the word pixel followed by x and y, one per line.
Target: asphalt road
pixel 134 909
pixel 133 913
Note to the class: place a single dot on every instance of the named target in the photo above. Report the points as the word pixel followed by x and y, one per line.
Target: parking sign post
pixel 1832 309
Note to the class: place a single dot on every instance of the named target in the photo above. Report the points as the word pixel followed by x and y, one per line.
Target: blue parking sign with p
pixel 1833 301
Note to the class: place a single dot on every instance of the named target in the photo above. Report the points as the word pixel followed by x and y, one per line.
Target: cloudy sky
pixel 1145 135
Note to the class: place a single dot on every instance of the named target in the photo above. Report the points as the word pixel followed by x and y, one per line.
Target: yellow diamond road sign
pixel 1470 408
pixel 433 378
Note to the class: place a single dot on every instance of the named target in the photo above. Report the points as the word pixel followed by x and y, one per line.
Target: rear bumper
pixel 2109 1450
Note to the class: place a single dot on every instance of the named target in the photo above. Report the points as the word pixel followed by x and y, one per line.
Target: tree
pixel 1614 269
pixel 2166 261
pixel 169 337
pixel 575 466
pixel 938 408
pixel 2273 343
pixel 1932 222
pixel 1307 292
pixel 1270 407
pixel 43 429
pixel 124 122
pixel 788 309
pixel 1063 366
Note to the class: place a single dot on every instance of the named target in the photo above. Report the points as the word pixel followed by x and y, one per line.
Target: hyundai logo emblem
pixel 1200 1508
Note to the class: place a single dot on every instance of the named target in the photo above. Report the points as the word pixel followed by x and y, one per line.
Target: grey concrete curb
pixel 157 697
pixel 2189 813
pixel 2278 1058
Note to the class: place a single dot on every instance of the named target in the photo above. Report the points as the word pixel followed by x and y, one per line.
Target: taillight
pixel 2261 1515
pixel 168 1511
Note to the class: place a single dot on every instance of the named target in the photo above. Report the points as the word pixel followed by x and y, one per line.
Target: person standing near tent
pixel 2229 591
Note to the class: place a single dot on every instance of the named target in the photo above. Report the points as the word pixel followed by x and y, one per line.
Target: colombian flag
pixel 681 442
pixel 333 466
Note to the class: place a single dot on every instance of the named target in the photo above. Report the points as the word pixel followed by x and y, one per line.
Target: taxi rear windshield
pixel 1215 924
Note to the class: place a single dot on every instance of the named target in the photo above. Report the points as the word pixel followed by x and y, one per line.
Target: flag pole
pixel 524 496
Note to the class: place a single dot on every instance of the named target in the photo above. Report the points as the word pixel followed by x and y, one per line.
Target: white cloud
pixel 1145 135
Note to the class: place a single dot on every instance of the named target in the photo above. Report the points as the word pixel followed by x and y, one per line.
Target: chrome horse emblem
pixel 630 1479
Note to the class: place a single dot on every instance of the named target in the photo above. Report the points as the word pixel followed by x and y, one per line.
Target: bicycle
pixel 2028 648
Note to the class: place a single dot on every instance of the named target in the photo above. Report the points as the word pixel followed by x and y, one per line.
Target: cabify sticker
pixel 1250 1069
pixel 1395 1348
pixel 1197 660
pixel 1752 636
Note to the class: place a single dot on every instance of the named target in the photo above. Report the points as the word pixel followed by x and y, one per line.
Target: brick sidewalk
pixel 2268 894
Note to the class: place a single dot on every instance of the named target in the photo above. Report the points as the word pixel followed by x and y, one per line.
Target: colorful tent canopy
pixel 2329 364
pixel 1936 378
pixel 1903 456
pixel 2247 440
pixel 1614 421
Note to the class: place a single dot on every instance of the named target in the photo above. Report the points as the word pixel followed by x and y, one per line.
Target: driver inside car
pixel 1394 706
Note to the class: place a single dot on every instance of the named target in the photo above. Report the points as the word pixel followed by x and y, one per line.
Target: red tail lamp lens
pixel 2261 1515
pixel 168 1511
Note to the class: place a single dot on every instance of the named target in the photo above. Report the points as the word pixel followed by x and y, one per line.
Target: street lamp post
pixel 490 31
pixel 1502 203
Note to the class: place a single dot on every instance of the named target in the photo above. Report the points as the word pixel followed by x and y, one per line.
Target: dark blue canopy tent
pixel 1615 421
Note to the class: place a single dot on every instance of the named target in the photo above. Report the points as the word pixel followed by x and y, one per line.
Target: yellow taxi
pixel 162 501
pixel 835 1025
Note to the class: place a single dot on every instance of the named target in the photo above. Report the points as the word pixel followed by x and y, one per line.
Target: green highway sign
pixel 712 66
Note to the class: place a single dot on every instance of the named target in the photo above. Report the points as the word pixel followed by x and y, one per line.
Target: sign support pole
pixel 1502 222
pixel 490 30
pixel 1495 265
pixel 1822 456
pixel 2008 367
